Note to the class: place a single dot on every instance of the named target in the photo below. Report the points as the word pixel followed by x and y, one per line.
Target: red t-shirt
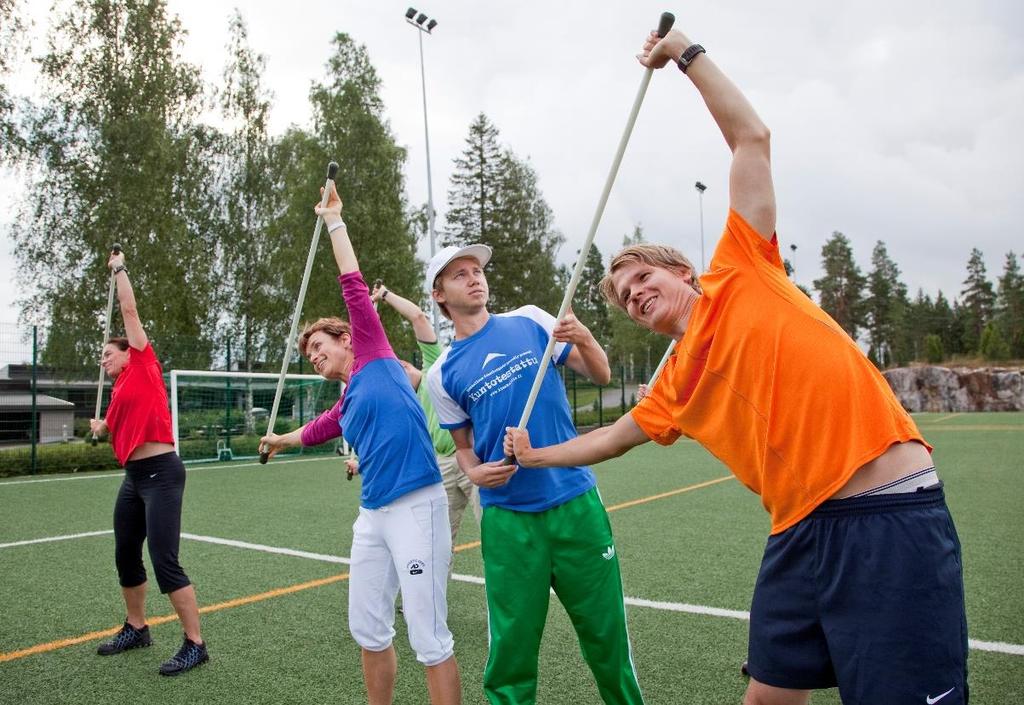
pixel 138 410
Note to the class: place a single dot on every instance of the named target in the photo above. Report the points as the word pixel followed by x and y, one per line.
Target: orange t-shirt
pixel 138 409
pixel 771 385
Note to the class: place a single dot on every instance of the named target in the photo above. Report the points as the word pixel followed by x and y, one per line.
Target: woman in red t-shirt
pixel 148 504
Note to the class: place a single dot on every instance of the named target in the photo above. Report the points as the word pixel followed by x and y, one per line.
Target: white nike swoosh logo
pixel 931 701
pixel 153 475
pixel 609 554
pixel 491 356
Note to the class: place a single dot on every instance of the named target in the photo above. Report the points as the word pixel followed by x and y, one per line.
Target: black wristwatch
pixel 120 268
pixel 689 55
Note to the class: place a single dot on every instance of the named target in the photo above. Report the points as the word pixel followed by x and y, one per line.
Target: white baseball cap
pixel 437 263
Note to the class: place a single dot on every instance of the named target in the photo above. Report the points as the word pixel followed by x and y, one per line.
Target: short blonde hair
pixel 332 326
pixel 661 256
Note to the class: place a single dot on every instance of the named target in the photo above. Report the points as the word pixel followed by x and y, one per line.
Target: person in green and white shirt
pixel 461 491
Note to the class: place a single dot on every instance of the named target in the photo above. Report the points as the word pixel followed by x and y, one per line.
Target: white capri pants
pixel 406 544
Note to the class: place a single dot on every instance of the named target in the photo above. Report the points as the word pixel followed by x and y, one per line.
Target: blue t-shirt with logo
pixel 380 415
pixel 484 381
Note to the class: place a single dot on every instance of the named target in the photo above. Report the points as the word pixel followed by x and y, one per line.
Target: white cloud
pixel 892 121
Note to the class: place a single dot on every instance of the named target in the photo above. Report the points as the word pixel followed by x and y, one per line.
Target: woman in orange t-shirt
pixel 148 506
pixel 775 389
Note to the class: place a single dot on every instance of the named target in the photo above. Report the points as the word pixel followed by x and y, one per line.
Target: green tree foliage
pixel 494 198
pixel 917 322
pixel 118 156
pixel 933 350
pixel 886 311
pixel 253 300
pixel 348 125
pixel 946 324
pixel 11 30
pixel 993 346
pixel 588 304
pixel 1010 305
pixel 637 238
pixel 841 288
pixel 977 301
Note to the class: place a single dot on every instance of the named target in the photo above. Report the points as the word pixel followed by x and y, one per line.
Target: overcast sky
pixel 893 121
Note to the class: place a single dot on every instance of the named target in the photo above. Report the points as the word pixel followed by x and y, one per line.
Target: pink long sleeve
pixel 324 427
pixel 369 342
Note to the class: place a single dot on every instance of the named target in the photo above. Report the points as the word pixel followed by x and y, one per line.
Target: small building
pixel 56 418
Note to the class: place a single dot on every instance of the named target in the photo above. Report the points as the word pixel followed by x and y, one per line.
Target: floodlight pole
pixel 700 199
pixel 418 24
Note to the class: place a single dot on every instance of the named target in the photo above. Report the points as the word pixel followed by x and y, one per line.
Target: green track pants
pixel 568 548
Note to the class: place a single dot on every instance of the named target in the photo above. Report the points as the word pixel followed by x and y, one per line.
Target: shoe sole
pixel 127 648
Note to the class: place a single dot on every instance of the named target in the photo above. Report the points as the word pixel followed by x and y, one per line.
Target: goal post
pixel 221 415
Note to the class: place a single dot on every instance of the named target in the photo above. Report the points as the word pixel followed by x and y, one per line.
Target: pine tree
pixel 588 304
pixel 993 346
pixel 637 238
pixel 886 308
pixel 474 190
pixel 841 288
pixel 119 157
pixel 494 198
pixel 978 301
pixel 945 324
pixel 933 351
pixel 1010 305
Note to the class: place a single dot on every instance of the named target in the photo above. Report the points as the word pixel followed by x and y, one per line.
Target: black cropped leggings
pixel 148 507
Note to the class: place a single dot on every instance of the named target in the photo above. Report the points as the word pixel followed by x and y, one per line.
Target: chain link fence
pixel 45 409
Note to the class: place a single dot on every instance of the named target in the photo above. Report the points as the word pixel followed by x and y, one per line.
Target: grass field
pixel 689 538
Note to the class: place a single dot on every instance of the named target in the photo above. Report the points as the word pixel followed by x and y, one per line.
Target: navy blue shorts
pixel 865 594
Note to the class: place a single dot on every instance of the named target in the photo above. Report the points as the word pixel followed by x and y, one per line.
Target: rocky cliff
pixel 958 388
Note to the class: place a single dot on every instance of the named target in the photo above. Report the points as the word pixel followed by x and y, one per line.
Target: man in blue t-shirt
pixel 542 528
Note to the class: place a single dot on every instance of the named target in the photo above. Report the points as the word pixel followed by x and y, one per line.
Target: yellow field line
pixel 278 592
pixel 631 503
pixel 155 621
pixel 986 427
pixel 672 493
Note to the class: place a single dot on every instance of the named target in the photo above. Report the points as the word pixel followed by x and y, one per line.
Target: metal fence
pixel 45 410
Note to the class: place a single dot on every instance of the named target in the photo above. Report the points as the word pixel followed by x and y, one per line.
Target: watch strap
pixel 689 55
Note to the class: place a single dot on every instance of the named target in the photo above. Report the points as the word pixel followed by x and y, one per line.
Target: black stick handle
pixel 116 249
pixel 264 457
pixel 665 24
pixel 332 170
pixel 94 441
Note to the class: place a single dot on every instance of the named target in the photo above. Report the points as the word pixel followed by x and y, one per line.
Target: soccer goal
pixel 221 415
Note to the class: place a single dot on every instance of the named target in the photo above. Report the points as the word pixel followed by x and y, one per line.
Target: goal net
pixel 221 415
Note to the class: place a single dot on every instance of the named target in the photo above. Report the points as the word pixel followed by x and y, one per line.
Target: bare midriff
pixel 899 460
pixel 149 449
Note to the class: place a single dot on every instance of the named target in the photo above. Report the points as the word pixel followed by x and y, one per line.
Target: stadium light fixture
pixel 420 18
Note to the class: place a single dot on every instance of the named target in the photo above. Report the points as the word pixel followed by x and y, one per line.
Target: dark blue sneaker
pixel 188 657
pixel 128 638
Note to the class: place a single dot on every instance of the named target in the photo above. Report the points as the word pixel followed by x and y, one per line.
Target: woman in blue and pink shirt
pixel 401 539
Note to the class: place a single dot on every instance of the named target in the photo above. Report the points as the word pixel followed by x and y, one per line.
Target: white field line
pixel 119 474
pixel 268 549
pixel 65 537
pixel 993 646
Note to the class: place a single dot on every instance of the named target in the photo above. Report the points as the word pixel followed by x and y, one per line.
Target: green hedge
pixel 82 457
pixel 58 457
